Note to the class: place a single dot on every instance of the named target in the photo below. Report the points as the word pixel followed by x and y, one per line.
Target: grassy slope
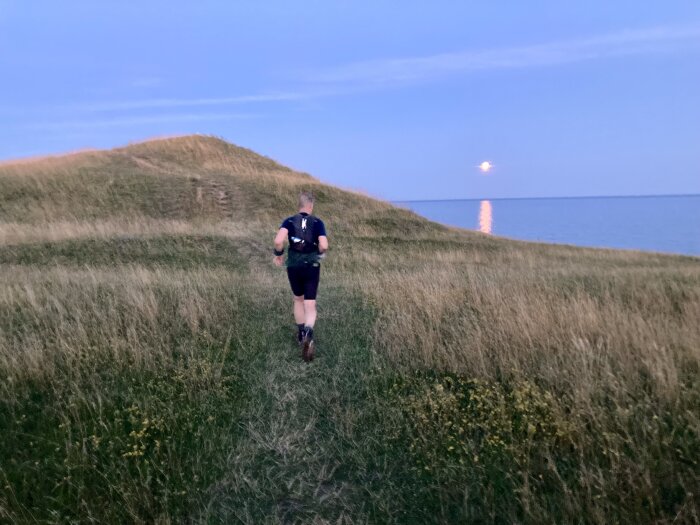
pixel 153 375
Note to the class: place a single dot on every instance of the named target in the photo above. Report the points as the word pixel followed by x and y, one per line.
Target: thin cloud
pixel 188 102
pixel 136 121
pixel 367 76
pixel 408 69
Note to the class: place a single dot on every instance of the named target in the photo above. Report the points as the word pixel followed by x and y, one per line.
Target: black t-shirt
pixel 294 258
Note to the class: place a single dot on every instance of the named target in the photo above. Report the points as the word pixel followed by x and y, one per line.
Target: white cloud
pixel 392 72
pixel 407 69
pixel 136 121
pixel 191 102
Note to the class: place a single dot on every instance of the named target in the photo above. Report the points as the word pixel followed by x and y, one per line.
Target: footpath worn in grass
pixel 150 372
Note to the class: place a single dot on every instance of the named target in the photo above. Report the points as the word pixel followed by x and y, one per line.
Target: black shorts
pixel 304 280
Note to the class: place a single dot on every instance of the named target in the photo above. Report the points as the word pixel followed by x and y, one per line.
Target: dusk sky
pixel 402 100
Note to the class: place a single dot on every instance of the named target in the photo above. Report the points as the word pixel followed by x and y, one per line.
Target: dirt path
pixel 297 459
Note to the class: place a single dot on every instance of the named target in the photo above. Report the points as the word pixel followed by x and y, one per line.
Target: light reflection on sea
pixel 485 217
pixel 656 223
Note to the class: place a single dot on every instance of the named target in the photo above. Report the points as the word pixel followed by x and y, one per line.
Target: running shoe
pixel 308 349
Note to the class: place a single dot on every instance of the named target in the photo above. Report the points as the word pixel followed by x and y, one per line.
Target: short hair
pixel 306 198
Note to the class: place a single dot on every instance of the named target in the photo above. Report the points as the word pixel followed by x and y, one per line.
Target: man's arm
pixel 279 245
pixel 322 243
pixel 322 238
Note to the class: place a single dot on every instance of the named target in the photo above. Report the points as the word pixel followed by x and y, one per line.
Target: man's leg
pixel 297 283
pixel 310 289
pixel 309 312
pixel 299 315
pixel 299 309
pixel 308 335
pixel 312 277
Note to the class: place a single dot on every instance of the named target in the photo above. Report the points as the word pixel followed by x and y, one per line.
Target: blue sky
pixel 399 99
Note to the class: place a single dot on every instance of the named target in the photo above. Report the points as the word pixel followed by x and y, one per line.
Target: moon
pixel 485 166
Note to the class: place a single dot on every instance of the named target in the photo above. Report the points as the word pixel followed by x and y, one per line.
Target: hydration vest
pixel 301 240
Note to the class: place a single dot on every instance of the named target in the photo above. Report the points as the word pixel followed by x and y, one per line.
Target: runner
pixel 307 246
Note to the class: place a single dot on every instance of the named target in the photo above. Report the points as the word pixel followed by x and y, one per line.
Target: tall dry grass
pixel 507 381
pixel 120 393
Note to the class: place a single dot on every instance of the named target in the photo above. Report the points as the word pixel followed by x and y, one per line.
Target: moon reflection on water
pixel 485 217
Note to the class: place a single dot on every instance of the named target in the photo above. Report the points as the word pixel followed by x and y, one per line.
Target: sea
pixel 668 224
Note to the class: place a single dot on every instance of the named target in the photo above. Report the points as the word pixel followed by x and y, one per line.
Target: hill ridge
pixel 191 177
pixel 182 149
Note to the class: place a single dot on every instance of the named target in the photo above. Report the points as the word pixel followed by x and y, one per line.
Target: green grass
pixel 152 373
pixel 182 251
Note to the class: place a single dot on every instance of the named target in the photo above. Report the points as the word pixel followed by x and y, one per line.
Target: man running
pixel 307 246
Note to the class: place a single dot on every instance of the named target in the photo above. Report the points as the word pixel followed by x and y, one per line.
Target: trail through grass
pixel 296 460
pixel 152 374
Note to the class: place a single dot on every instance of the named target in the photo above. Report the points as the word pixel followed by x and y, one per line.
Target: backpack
pixel 302 239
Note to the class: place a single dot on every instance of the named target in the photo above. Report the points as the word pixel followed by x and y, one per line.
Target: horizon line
pixel 551 197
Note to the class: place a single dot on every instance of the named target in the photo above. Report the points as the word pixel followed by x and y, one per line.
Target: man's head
pixel 306 201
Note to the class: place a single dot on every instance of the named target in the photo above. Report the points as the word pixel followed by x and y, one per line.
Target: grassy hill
pixel 150 374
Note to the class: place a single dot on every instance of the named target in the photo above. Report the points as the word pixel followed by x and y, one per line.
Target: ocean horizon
pixel 551 198
pixel 656 223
